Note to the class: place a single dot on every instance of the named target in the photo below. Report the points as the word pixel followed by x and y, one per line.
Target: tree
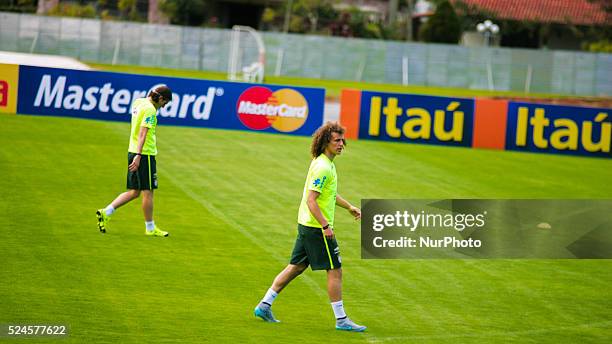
pixel 184 12
pixel 268 17
pixel 45 5
pixel 128 9
pixel 471 14
pixel 443 26
pixel 312 12
pixel 154 14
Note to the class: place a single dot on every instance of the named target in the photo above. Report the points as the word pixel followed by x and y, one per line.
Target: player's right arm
pixel 315 210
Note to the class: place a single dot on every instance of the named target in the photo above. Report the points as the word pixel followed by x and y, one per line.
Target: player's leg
pixel 297 265
pixel 334 289
pixel 289 273
pixel 147 205
pixel 105 214
pixel 147 209
pixel 134 185
pixel 148 172
pixel 334 284
pixel 331 261
pixel 125 198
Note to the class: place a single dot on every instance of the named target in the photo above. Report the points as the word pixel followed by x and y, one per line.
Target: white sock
pixel 109 210
pixel 338 308
pixel 269 297
pixel 150 225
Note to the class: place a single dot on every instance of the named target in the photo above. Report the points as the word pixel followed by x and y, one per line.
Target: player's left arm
pixel 356 212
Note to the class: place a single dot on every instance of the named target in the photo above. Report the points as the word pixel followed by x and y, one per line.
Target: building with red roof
pixel 574 12
pixel 554 24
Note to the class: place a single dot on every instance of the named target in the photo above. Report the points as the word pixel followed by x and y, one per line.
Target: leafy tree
pixel 23 6
pixel 603 46
pixel 268 16
pixel 128 9
pixel 443 26
pixel 313 14
pixel 470 15
pixel 360 25
pixel 73 10
pixel 184 12
pixel 521 34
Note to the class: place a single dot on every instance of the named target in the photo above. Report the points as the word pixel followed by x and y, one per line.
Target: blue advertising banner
pixel 198 103
pixel 559 129
pixel 416 118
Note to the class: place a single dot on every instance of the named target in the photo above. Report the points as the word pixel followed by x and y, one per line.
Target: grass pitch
pixel 229 200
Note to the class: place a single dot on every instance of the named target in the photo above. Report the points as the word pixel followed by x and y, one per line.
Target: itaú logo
pixel 259 108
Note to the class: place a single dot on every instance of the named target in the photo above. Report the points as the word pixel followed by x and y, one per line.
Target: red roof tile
pixel 579 12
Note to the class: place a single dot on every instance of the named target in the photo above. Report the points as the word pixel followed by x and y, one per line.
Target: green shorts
pixel 146 176
pixel 312 248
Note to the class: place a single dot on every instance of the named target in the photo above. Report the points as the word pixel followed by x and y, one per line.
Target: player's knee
pixel 135 194
pixel 298 269
pixel 335 273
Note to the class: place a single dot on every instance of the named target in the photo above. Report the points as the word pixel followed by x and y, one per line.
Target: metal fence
pixel 542 71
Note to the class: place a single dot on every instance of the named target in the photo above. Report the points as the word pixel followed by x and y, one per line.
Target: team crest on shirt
pixel 318 183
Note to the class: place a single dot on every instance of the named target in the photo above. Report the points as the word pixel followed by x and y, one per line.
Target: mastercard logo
pixel 259 108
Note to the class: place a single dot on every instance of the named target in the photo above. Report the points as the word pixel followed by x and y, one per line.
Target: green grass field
pixel 229 200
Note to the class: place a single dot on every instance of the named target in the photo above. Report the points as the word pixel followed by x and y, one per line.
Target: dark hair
pixel 161 90
pixel 322 137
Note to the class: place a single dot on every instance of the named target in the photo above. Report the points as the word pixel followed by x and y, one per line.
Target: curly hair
pixel 322 137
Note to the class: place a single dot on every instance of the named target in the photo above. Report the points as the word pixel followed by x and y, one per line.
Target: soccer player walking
pixel 316 244
pixel 142 172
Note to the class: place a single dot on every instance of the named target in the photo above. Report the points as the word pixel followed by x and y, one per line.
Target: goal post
pixel 247 58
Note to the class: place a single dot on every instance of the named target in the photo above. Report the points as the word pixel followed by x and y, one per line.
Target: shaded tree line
pixel 333 17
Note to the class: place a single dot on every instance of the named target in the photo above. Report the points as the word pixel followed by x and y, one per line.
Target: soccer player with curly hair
pixel 316 244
